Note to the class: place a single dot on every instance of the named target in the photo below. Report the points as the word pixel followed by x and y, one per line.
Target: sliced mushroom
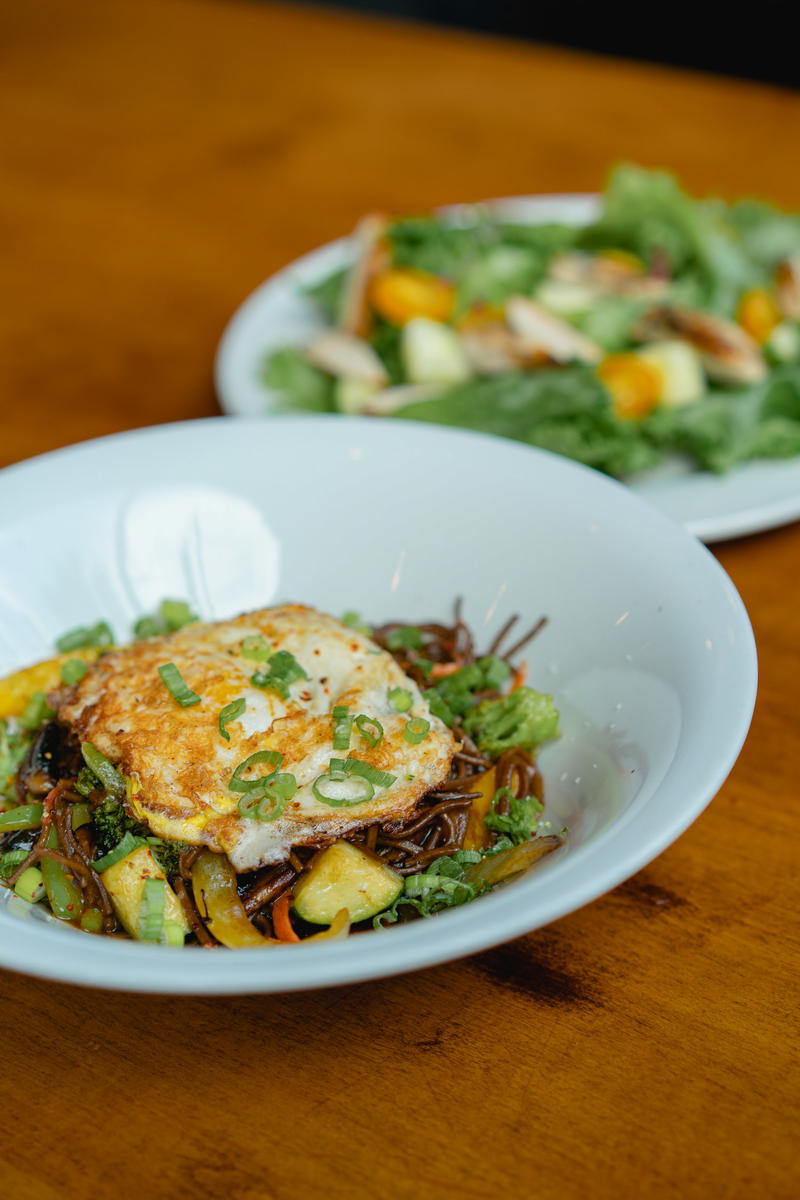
pixel 540 330
pixel 343 354
pixel 728 353
pixel 608 275
pixel 788 285
pixel 371 256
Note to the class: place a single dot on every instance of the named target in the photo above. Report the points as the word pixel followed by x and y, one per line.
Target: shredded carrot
pixel 439 670
pixel 520 675
pixel 281 922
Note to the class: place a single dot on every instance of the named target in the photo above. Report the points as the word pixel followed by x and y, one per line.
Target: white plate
pixel 648 650
pixel 755 496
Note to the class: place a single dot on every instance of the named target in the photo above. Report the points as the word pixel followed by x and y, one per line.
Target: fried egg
pixel 179 766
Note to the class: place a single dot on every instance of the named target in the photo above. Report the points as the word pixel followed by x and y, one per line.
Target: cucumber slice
pixel 343 876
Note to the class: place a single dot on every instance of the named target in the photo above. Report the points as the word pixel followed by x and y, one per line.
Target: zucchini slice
pixel 344 876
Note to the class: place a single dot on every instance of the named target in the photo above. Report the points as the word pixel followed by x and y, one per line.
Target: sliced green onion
pixel 342 727
pixel 175 614
pixel 400 699
pixel 73 670
pixel 85 636
pixel 24 816
pixel 177 687
pixel 113 782
pixel 147 627
pixel 268 801
pixel 416 729
pixel 327 790
pixel 30 885
pixel 123 848
pixel 340 768
pixel 256 648
pixel 35 712
pixel 406 637
pixel 273 759
pixel 283 670
pixel 171 616
pixel 151 910
pixel 354 620
pixel 370 729
pixel 231 712
pixel 172 934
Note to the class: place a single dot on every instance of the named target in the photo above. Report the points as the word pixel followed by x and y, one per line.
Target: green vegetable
pixel 167 854
pixel 111 779
pixel 86 636
pixel 35 712
pixel 268 800
pixel 416 730
pixel 13 748
pixel 354 620
pixel 10 861
pixel 441 885
pixel 231 712
pixel 520 822
pixel 63 893
pixel 284 669
pixel 342 727
pixel 86 782
pixel 406 637
pixel 565 410
pixel 171 616
pixel 177 686
pixel 339 768
pixel 92 921
pixel 300 385
pixel 524 718
pixel 30 885
pixel 73 670
pixel 272 758
pixel 454 695
pixel 151 910
pixel 344 876
pixel 124 847
pixel 328 790
pixel 370 729
pixel 256 647
pixel 400 699
pixel 23 816
pixel 111 822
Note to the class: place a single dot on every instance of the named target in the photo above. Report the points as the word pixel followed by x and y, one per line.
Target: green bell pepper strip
pixel 24 816
pixel 63 893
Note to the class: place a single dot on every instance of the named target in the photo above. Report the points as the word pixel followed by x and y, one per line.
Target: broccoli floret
pixel 111 823
pixel 520 822
pixel 167 854
pixel 524 718
pixel 454 695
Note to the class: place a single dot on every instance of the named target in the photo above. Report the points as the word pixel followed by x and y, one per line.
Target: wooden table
pixel 161 159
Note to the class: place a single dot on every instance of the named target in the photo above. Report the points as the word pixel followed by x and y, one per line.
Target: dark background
pixel 757 39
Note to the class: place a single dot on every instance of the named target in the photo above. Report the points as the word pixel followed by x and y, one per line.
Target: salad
pixel 277 777
pixel 668 325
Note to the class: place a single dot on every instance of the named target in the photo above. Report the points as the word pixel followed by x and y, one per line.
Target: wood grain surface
pixel 159 160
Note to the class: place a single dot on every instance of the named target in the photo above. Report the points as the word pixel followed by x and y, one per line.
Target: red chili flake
pixel 69 908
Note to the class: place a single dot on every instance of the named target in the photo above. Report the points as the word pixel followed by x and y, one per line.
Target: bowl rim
pixel 453 934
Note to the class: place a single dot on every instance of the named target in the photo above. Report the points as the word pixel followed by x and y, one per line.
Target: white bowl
pixel 648 649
